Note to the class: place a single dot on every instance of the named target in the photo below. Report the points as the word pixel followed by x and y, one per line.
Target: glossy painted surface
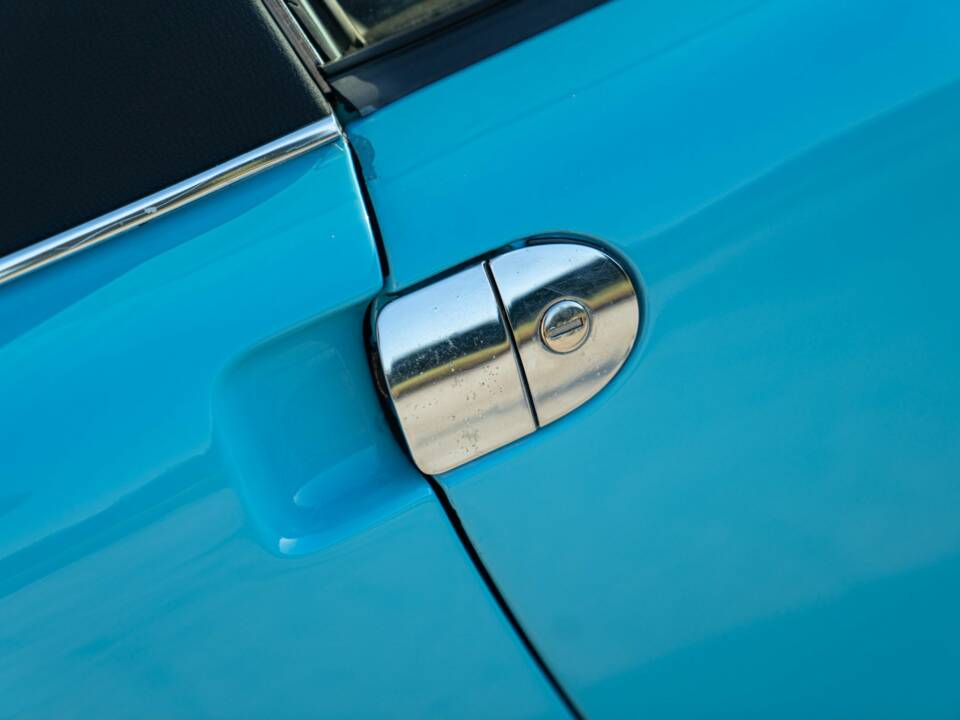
pixel 760 516
pixel 202 510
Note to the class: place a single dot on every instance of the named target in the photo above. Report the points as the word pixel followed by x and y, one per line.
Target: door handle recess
pixel 487 355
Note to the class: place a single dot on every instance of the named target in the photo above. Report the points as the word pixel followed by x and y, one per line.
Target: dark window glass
pixel 377 19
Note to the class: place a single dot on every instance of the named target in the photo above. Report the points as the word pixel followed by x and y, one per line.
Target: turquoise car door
pixel 759 515
pixel 203 510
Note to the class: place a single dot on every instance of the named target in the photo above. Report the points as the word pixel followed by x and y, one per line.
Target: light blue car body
pixel 203 509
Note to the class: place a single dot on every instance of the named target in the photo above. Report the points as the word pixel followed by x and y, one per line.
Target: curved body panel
pixel 759 515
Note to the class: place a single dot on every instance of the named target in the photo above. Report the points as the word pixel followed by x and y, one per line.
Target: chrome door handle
pixel 488 355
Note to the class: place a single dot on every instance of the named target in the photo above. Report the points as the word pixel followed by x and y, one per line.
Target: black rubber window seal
pixel 393 68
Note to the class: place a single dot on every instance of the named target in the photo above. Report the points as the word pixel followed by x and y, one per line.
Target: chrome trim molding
pixel 160 203
pixel 290 29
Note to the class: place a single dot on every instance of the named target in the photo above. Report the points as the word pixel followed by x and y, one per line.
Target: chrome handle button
pixel 451 372
pixel 536 283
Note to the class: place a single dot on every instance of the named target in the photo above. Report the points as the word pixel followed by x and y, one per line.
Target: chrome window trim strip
pixel 290 29
pixel 160 203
